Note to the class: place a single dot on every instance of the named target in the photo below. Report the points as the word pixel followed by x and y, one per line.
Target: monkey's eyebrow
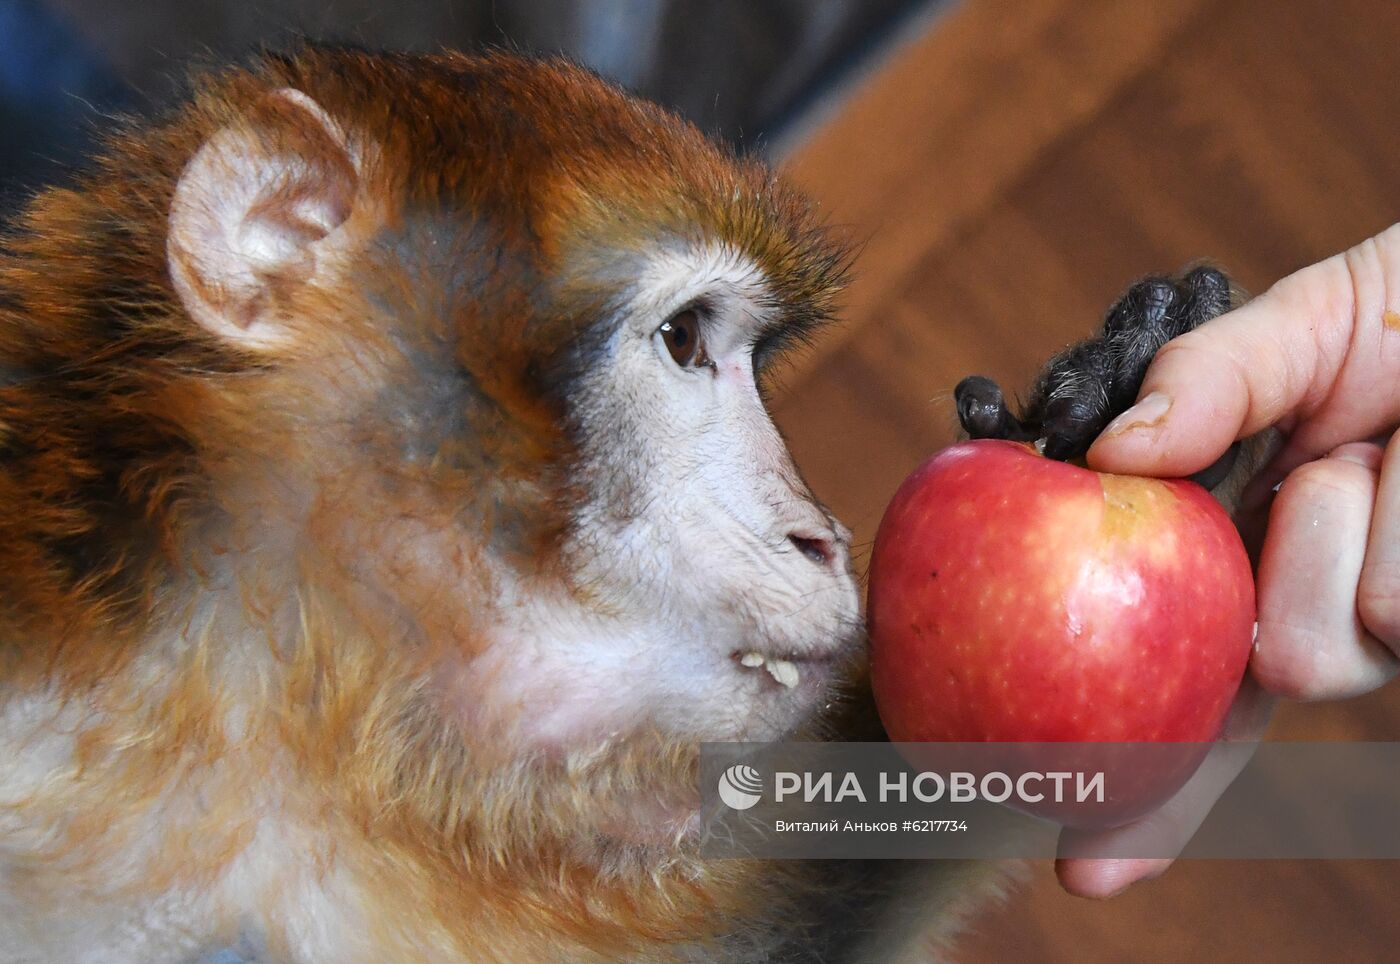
pixel 784 331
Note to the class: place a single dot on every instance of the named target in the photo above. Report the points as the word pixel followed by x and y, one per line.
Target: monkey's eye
pixel 681 333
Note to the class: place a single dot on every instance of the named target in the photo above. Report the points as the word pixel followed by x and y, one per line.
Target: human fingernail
pixel 1147 413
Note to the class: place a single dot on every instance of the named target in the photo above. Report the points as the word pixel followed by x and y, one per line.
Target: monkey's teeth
pixel 784 672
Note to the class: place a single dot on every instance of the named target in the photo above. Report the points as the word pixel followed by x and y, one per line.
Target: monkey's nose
pixel 818 549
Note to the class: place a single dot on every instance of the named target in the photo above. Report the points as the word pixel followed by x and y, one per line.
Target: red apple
pixel 1014 598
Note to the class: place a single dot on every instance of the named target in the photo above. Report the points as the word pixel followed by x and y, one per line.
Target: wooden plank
pixel 960 115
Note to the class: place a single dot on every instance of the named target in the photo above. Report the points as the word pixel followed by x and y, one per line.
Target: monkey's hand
pixel 1085 386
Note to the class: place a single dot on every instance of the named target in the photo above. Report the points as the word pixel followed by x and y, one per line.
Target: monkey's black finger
pixel 1073 398
pixel 983 413
pixel 1145 305
pixel 1207 295
pixel 1071 425
pixel 1215 473
pixel 1078 406
pixel 1143 320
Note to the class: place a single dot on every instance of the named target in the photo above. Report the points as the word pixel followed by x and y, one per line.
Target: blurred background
pixel 745 71
pixel 1008 169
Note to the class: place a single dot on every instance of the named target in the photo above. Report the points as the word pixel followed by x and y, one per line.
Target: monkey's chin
pixel 664 817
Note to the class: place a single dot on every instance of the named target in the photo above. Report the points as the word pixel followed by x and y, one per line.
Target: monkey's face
pixel 710 594
pixel 700 517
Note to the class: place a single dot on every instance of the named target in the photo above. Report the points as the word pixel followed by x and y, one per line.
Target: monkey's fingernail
pixel 1146 414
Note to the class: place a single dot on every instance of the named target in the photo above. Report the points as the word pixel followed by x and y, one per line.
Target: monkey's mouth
pixel 787 670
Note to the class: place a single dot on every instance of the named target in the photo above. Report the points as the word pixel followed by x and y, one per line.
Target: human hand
pixel 1317 356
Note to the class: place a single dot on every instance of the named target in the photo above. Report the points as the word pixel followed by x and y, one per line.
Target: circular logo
pixel 740 787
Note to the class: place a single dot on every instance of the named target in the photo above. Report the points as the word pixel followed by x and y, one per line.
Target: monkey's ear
pixel 256 212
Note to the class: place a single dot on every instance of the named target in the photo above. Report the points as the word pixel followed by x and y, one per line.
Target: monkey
pixel 389 506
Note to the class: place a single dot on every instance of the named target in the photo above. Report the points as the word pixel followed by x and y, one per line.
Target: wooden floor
pixel 1009 173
